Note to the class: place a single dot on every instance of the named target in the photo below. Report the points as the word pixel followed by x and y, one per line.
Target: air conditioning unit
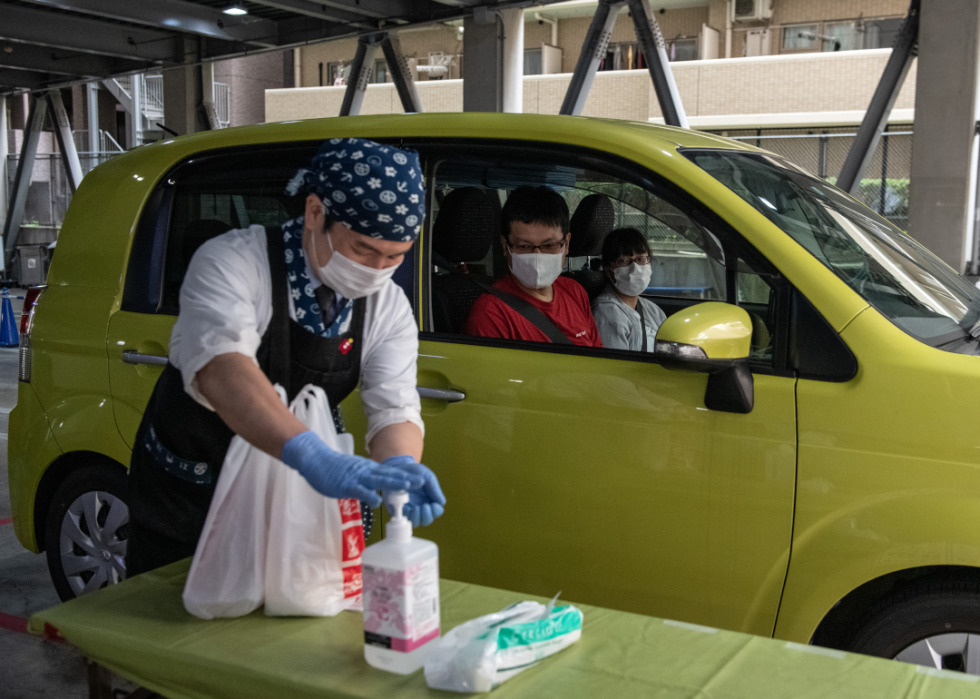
pixel 751 10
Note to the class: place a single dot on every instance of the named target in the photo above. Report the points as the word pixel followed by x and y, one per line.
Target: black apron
pixel 180 445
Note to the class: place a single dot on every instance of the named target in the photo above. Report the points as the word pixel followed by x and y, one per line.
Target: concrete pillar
pixel 944 147
pixel 483 65
pixel 513 50
pixel 183 95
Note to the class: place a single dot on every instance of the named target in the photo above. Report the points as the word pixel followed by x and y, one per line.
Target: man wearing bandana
pixel 311 301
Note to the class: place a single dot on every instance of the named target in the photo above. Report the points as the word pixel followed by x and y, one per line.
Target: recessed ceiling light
pixel 236 9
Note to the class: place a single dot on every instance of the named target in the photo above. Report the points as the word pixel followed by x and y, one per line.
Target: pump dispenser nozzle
pixel 398 527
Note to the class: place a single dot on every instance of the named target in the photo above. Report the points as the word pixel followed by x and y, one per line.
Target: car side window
pixel 692 260
pixel 201 213
pixel 208 195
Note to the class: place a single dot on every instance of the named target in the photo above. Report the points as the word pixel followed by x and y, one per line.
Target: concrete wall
pixel 248 78
pixel 794 84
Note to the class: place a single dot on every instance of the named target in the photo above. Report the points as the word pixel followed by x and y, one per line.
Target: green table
pixel 139 630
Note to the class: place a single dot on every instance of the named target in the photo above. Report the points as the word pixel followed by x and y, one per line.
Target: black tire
pixel 82 556
pixel 930 623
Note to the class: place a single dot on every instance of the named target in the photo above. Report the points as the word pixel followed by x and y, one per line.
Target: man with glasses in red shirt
pixel 534 236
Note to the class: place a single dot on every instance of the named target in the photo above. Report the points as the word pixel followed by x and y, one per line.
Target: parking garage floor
pixel 30 667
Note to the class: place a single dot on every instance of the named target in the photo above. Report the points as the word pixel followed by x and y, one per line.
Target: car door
pixel 599 473
pixel 196 202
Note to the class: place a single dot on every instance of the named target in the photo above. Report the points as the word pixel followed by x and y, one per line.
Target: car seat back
pixel 464 231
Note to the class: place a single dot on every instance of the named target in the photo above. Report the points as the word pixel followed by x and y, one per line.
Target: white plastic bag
pixel 227 574
pixel 481 653
pixel 269 537
pixel 313 551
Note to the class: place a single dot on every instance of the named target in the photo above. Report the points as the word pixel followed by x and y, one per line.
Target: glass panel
pixel 849 34
pixel 688 260
pixel 905 282
pixel 684 50
pixel 532 62
pixel 802 36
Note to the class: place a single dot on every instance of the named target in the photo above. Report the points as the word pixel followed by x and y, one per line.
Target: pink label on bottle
pixel 401 607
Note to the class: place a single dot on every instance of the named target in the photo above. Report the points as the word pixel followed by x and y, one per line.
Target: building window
pixel 338 73
pixel 850 35
pixel 683 49
pixel 320 74
pixel 532 62
pixel 801 37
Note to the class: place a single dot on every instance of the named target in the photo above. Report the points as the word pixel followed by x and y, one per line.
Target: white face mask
pixel 350 279
pixel 632 280
pixel 536 270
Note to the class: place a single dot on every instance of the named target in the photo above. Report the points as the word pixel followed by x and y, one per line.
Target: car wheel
pixel 86 531
pixel 935 624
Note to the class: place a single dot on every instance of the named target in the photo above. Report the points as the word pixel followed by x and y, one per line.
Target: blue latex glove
pixel 339 475
pixel 425 502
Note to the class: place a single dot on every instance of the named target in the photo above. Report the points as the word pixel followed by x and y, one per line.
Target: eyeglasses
pixel 547 248
pixel 627 261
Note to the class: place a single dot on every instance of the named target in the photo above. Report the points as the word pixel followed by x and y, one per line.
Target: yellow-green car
pixel 799 457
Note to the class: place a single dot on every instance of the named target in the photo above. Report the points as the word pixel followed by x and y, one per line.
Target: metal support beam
pixel 85 35
pixel 866 141
pixel 92 106
pixel 169 15
pixel 361 71
pixel 134 120
pixel 66 143
pixel 593 51
pixel 22 181
pixel 652 44
pixel 401 74
pixel 3 165
pixel 63 62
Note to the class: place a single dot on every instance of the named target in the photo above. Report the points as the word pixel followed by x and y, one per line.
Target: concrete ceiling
pixel 53 43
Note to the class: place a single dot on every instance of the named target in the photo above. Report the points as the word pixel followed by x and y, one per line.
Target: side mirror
pixel 714 338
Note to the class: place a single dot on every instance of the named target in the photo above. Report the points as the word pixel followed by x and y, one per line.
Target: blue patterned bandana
pixel 301 287
pixel 372 189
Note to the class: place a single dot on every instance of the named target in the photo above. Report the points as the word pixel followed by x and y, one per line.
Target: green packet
pixel 481 653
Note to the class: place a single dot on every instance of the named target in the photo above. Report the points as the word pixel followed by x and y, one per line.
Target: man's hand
pixel 425 501
pixel 339 475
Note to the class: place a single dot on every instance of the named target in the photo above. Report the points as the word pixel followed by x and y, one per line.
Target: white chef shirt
pixel 226 306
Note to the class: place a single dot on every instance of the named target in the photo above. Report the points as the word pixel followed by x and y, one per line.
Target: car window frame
pixel 433 150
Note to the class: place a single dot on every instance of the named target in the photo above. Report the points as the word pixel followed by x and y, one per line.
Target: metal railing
pixel 152 95
pixel 222 104
pixel 885 184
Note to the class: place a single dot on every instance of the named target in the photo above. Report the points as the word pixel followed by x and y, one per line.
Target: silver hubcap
pixel 959 652
pixel 92 554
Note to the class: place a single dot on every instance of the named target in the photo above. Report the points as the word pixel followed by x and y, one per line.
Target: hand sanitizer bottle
pixel 401 595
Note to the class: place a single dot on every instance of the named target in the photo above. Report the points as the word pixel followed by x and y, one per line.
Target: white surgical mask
pixel 350 279
pixel 633 279
pixel 536 270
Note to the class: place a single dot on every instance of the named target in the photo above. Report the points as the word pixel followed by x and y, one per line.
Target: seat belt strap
pixel 643 324
pixel 530 313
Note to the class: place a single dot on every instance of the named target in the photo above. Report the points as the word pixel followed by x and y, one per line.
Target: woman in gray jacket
pixel 625 319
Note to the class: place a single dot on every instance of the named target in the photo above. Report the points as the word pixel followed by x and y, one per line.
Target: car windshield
pixel 899 277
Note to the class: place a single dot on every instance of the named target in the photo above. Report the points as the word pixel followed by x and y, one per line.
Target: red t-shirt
pixel 569 311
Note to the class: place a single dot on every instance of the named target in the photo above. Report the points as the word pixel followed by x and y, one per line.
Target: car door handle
pixel 134 357
pixel 441 394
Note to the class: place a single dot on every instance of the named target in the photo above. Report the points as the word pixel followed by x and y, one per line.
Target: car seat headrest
pixel 467 224
pixel 594 217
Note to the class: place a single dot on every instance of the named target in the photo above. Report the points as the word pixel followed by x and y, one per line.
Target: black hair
pixel 623 241
pixel 534 205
